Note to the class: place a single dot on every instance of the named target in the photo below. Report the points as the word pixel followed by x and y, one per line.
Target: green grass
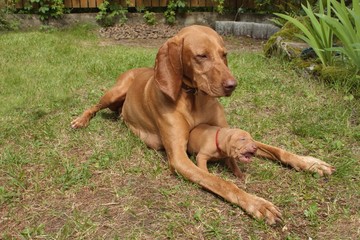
pixel 103 183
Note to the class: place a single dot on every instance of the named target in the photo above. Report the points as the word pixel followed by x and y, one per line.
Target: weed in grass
pixel 31 232
pixel 311 213
pixel 73 175
pixel 6 196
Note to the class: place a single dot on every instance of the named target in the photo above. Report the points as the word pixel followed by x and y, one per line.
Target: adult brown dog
pixel 163 104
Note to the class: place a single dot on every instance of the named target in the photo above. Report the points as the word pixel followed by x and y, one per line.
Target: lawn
pixel 103 183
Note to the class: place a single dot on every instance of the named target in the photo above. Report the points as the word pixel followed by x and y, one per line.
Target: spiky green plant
pixel 346 27
pixel 316 33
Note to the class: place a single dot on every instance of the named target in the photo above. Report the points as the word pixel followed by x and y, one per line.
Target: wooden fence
pixel 146 3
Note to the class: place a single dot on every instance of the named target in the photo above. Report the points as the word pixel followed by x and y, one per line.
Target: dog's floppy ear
pixel 168 67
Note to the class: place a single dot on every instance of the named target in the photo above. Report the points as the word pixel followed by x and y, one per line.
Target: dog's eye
pixel 201 56
pixel 224 55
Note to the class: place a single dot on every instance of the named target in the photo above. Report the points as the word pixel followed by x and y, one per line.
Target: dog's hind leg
pixel 112 99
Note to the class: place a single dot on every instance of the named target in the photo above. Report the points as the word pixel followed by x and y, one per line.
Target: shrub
pixel 317 33
pixel 346 26
pixel 110 13
pixel 173 7
pixel 47 8
pixel 220 6
pixel 279 6
pixel 149 18
pixel 7 22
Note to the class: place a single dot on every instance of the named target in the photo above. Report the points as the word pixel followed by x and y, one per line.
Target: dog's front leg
pixel 175 148
pixel 305 163
pixel 233 166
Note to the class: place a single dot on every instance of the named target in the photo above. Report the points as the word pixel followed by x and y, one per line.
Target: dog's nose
pixel 229 85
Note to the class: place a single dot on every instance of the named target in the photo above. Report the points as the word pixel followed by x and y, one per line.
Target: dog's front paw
pixel 316 165
pixel 79 122
pixel 263 210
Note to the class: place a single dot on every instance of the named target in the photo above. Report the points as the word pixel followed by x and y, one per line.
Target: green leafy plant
pixel 4 22
pixel 316 33
pixel 173 7
pixel 264 5
pixel 140 8
pixel 270 6
pixel 110 13
pixel 346 26
pixel 7 6
pixel 219 8
pixel 47 8
pixel 149 18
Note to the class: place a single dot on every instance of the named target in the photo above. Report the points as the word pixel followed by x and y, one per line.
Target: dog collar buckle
pixel 188 89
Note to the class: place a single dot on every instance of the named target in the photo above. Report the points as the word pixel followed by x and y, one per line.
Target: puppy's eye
pixel 224 55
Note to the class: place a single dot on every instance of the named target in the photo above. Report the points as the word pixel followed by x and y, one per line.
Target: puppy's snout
pixel 229 86
pixel 253 148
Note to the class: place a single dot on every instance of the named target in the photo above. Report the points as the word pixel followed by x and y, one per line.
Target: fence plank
pixel 202 3
pixel 68 3
pixel 147 3
pixel 132 3
pixel 155 3
pixel 139 3
pixel 92 4
pixel 98 2
pixel 193 3
pixel 163 3
pixel 209 3
pixel 75 3
pixel 84 4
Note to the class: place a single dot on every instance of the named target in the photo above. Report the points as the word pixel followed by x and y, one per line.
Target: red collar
pixel 217 141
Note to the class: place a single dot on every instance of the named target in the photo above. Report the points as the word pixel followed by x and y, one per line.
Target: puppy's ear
pixel 168 67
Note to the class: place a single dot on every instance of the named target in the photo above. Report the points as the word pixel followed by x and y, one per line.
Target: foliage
pixel 7 21
pixel 341 77
pixel 346 27
pixel 317 33
pixel 173 7
pixel 4 23
pixel 46 9
pixel 271 6
pixel 140 8
pixel 149 17
pixel 111 13
pixel 219 6
pixel 7 6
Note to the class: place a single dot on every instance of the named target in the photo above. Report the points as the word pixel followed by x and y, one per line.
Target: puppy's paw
pixel 241 176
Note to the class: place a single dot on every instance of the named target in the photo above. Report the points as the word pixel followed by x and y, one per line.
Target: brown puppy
pixel 163 104
pixel 214 143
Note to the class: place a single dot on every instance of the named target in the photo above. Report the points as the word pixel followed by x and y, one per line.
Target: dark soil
pixel 139 31
pixel 154 36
